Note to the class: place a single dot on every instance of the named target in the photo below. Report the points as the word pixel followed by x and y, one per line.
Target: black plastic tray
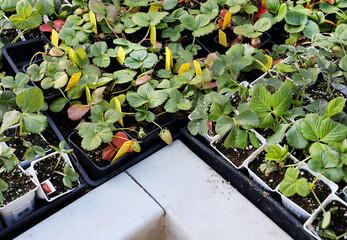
pixel 43 208
pixel 266 203
pixel 19 54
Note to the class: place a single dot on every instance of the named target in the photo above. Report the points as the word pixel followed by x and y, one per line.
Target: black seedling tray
pixel 19 54
pixel 265 202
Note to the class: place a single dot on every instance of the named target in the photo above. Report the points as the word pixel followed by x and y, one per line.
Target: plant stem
pixel 303 93
pixel 264 67
pixel 161 113
pixel 336 85
pixel 296 164
pixel 328 87
pixel 64 95
pixel 19 35
pixel 124 90
pixel 59 158
pixel 60 173
pixel 111 28
pixel 158 125
pixel 145 36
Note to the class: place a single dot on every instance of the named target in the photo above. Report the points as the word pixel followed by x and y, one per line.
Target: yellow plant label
pixel 119 108
pixel 73 81
pixel 154 8
pixel 222 38
pixel 93 20
pixel 227 19
pixel 123 150
pixel 168 59
pixel 268 64
pixel 55 38
pixel 121 55
pixel 263 1
pixel 197 68
pixel 183 68
pixel 153 34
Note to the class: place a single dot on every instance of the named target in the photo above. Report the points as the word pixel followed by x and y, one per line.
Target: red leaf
pixel 77 111
pixel 119 139
pixel 261 10
pixel 209 85
pixel 45 28
pixel 58 24
pixel 108 153
pixel 142 80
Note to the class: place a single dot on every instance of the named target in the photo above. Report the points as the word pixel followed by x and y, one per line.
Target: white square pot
pixel 308 224
pixel 19 208
pixel 40 193
pixel 296 210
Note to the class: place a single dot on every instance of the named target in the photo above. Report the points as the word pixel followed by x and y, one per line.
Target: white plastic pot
pixel 295 209
pixel 256 178
pixel 19 208
pixel 344 191
pixel 251 157
pixel 40 194
pixel 308 224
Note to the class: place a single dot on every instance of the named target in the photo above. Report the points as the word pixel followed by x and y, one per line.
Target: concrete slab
pixel 118 209
pixel 199 203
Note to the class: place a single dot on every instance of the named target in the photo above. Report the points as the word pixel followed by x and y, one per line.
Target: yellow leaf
pixel 73 81
pixel 153 35
pixel 268 64
pixel 93 20
pixel 154 8
pixel 330 22
pixel 121 55
pixel 119 108
pixel 123 150
pixel 184 67
pixel 168 59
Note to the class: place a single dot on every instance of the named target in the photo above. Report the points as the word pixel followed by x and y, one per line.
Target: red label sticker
pixel 48 187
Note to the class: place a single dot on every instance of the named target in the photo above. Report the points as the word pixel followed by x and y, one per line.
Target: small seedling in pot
pixel 276 158
pixel 7 161
pixel 61 149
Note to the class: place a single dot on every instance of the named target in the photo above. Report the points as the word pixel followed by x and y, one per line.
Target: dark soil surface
pixel 17 143
pixel 96 155
pixel 318 90
pixel 131 123
pixel 63 123
pixel 274 178
pixel 50 136
pixel 35 33
pixel 45 170
pixel 236 155
pixel 338 222
pixel 309 203
pixel 18 185
pixel 9 34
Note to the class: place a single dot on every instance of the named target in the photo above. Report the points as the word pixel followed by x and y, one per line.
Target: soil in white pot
pixel 338 223
pixel 17 143
pixel 309 203
pixel 18 185
pixel 236 155
pixel 274 178
pixel 45 170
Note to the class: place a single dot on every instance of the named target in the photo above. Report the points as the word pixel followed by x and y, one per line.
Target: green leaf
pixel 58 104
pixel 317 150
pixel 34 123
pixel 278 135
pixel 146 19
pixel 281 101
pixel 331 131
pixel 262 25
pixel 335 106
pixel 199 26
pixel 250 9
pixel 311 29
pixel 343 63
pixel 253 139
pixel 294 28
pixel 210 8
pixel 198 127
pixel 292 185
pixel 30 100
pixel 310 126
pixel 294 136
pixel 296 18
pixel 330 159
pixel 241 140
pixel 281 12
pixel 248 117
pixel 10 118
pixel 81 57
pixel 224 124
pixel 273 6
